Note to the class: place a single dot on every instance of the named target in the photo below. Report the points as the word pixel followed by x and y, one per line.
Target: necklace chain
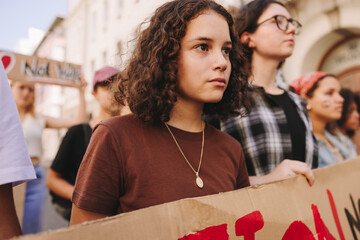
pixel 182 153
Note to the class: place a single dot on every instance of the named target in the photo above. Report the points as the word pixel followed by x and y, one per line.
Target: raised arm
pixel 51 122
pixel 58 185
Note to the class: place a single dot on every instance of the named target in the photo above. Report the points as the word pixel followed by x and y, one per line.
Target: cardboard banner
pixel 20 67
pixel 288 209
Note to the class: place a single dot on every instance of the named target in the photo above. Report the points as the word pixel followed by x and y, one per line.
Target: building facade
pixel 101 32
pixel 330 40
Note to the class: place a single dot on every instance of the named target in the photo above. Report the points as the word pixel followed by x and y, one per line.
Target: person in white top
pixel 15 164
pixel 33 125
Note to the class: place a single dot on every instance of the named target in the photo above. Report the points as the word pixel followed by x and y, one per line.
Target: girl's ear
pixel 246 39
pixel 308 99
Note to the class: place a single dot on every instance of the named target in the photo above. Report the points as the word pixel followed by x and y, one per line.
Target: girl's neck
pixel 319 132
pixel 186 116
pixel 318 126
pixel 264 74
pixel 125 110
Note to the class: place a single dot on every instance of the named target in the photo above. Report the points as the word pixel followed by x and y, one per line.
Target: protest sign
pixel 20 67
pixel 288 209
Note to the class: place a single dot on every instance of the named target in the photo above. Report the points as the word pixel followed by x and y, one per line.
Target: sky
pixel 20 19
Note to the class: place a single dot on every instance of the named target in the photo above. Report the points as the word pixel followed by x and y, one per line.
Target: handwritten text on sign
pixel 30 68
pixel 248 225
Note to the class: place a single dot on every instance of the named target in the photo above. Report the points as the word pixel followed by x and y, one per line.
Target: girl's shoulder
pixel 127 125
pixel 128 121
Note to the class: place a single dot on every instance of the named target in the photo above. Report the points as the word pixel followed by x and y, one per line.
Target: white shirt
pixel 33 130
pixel 15 163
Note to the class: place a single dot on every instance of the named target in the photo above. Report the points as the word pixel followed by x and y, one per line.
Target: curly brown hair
pixel 151 87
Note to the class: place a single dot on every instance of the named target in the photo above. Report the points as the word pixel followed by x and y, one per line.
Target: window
pixel 120 4
pixel 104 58
pixel 93 25
pixel 92 66
pixel 120 7
pixel 105 12
pixel 119 48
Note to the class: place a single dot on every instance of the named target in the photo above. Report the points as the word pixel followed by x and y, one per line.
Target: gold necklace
pixel 198 180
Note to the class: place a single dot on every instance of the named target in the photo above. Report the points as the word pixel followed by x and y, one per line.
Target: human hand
pixel 289 168
pixel 83 83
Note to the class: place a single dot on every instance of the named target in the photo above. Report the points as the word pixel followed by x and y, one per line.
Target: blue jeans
pixel 34 202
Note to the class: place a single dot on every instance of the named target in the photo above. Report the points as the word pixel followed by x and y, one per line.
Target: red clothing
pixel 131 165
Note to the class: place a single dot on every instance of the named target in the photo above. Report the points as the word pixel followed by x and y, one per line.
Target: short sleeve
pixel 15 163
pixel 97 187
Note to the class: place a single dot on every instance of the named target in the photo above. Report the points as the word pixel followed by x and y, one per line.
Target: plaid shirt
pixel 264 133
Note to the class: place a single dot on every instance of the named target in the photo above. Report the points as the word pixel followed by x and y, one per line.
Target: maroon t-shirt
pixel 131 165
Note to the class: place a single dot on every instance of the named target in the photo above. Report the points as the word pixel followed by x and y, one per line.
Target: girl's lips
pixel 220 82
pixel 339 108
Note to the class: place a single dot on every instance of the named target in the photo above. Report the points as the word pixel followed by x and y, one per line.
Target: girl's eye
pixel 202 47
pixel 226 51
pixel 330 92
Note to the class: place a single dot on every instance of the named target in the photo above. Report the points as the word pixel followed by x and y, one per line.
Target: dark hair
pixel 349 98
pixel 246 20
pixel 311 91
pixel 357 100
pixel 351 133
pixel 151 89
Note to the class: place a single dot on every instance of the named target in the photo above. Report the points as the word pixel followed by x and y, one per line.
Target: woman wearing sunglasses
pixel 277 130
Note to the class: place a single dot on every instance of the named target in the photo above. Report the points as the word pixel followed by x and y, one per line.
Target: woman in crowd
pixel 350 117
pixel 349 121
pixel 343 129
pixel 63 170
pixel 186 63
pixel 278 129
pixel 324 104
pixel 33 125
pixel 355 136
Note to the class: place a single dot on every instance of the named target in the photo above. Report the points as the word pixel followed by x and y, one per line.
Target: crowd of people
pixel 197 111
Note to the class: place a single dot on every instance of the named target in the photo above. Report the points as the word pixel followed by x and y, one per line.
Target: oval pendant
pixel 199 182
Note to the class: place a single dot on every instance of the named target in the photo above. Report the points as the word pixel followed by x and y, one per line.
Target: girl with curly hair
pixel 186 64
